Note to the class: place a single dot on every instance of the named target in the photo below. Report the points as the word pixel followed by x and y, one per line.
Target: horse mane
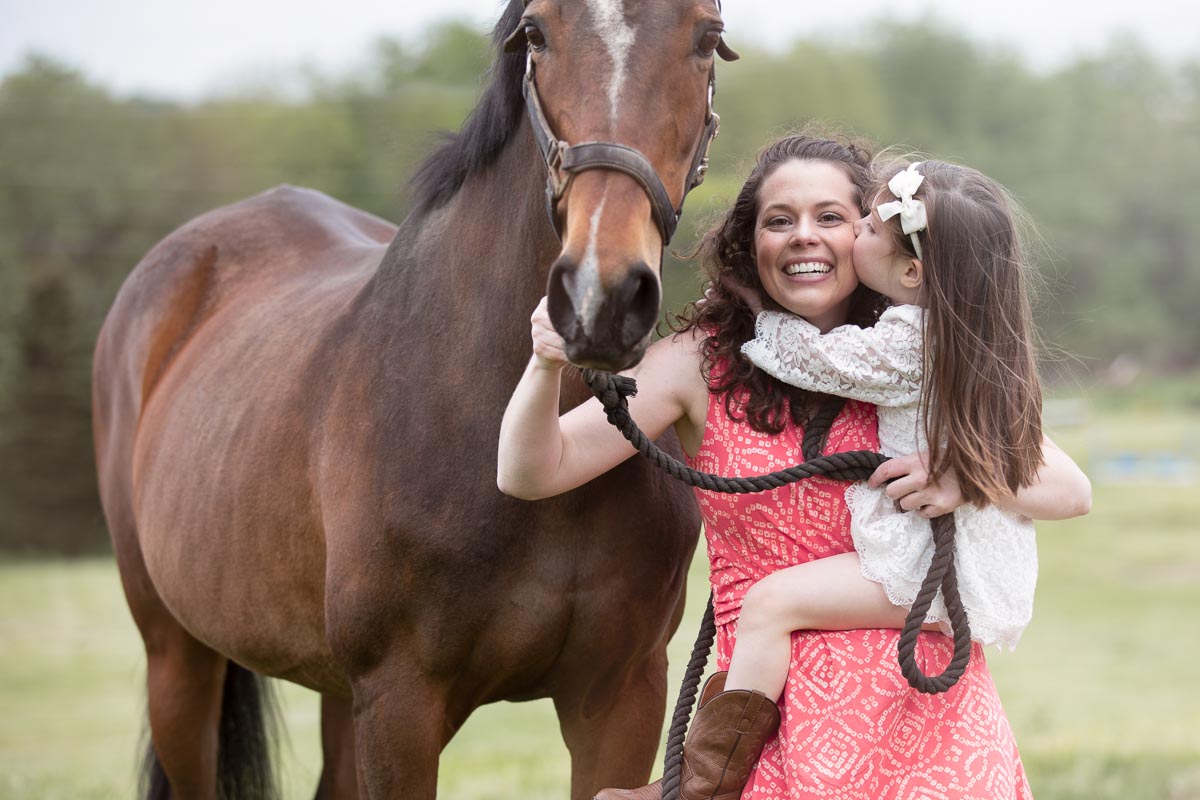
pixel 486 132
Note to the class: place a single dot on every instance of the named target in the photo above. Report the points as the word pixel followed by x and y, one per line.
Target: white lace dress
pixel 995 553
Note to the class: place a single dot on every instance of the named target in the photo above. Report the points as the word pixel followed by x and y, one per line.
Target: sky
pixel 185 49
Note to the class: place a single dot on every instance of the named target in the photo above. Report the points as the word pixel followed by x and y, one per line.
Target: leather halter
pixel 564 160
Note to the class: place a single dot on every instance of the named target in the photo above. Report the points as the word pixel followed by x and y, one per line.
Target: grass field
pixel 1103 692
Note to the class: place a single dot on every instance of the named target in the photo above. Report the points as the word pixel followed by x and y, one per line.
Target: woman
pixel 850 726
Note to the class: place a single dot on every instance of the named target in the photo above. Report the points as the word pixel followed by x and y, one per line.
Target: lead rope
pixel 613 392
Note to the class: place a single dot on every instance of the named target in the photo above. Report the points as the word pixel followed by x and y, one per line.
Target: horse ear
pixel 516 41
pixel 726 52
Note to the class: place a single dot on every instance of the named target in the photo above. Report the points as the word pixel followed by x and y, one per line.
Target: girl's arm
pixel 541 454
pixel 1060 491
pixel 881 364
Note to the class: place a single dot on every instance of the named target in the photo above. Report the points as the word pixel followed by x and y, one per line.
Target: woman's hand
pixel 911 489
pixel 549 350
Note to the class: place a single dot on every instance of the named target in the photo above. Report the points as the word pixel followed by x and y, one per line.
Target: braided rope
pixel 613 392
pixel 673 768
pixel 941 573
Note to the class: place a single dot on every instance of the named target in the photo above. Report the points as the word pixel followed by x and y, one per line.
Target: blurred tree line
pixel 1101 152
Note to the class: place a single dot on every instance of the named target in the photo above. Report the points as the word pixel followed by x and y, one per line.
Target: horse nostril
pixel 641 297
pixel 560 305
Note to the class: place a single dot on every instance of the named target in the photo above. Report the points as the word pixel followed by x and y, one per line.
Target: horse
pixel 296 406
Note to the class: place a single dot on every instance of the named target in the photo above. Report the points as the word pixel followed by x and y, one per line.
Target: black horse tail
pixel 249 721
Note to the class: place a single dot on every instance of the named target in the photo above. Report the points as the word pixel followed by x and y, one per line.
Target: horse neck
pixel 475 268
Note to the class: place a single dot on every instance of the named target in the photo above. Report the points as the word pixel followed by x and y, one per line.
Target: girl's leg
pixel 826 594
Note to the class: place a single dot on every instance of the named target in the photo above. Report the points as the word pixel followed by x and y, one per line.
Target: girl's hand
pixel 548 347
pixel 911 489
pixel 751 296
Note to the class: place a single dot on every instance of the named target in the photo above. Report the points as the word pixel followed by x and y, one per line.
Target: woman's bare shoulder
pixel 676 358
pixel 671 374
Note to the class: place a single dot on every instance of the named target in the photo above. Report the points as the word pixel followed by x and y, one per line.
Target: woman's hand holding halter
pixel 548 346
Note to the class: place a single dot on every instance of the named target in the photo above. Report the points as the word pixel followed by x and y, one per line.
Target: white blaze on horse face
pixel 618 38
pixel 588 277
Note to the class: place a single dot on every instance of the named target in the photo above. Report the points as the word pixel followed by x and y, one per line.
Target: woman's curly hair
pixel 726 254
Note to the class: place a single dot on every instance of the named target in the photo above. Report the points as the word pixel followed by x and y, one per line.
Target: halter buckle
pixel 555 174
pixel 702 165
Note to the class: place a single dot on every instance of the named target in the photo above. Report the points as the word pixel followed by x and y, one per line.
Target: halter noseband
pixel 564 161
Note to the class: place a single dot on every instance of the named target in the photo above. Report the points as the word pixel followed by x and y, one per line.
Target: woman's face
pixel 804 240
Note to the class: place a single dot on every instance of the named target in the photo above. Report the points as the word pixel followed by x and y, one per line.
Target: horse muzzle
pixel 604 328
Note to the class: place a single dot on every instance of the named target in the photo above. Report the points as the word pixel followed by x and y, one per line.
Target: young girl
pixel 950 363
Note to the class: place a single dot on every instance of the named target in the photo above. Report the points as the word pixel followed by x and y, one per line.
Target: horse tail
pixel 249 721
pixel 152 783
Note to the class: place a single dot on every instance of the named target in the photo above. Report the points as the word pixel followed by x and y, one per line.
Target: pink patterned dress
pixel 852 728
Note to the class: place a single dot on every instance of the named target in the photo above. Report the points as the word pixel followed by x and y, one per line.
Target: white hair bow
pixel 904 185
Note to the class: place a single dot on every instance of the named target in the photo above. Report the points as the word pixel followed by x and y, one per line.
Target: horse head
pixel 619 94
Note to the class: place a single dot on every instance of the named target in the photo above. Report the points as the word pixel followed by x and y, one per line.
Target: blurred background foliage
pixel 1102 152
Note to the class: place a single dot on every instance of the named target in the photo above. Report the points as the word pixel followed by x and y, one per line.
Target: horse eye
pixel 535 38
pixel 709 43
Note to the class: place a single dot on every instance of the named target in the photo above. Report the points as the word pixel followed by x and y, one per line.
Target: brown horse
pixel 296 425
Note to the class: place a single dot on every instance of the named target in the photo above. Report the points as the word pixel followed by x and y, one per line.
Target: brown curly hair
pixel 726 254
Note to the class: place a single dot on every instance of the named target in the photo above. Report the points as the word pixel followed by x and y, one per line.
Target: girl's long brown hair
pixel 981 399
pixel 726 255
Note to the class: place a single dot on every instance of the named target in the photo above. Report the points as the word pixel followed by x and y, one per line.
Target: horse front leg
pixel 399 712
pixel 339 775
pixel 400 728
pixel 612 730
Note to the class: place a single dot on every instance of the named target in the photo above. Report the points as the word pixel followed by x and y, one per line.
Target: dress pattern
pixel 852 728
pixel 995 550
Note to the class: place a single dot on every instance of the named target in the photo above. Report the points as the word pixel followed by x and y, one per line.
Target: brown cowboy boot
pixel 721 748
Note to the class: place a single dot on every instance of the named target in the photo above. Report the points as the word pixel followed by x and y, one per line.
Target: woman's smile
pixel 807 268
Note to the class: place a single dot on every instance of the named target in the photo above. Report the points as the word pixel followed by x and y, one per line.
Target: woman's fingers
pixel 548 346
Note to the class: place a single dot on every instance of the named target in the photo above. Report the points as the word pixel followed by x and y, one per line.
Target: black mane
pixel 487 130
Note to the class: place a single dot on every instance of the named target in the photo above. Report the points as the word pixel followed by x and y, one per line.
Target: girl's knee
pixel 762 607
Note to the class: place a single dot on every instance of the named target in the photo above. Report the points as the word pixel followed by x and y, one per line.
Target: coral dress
pixel 852 728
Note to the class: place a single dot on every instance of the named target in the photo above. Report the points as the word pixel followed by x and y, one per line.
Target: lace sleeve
pixel 880 365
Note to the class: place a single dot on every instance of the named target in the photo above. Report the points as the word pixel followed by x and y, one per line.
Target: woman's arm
pixel 541 455
pixel 1060 491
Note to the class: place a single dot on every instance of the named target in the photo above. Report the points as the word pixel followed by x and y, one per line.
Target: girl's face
pixel 804 240
pixel 877 261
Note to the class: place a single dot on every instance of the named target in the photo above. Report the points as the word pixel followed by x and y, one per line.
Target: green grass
pixel 1102 693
